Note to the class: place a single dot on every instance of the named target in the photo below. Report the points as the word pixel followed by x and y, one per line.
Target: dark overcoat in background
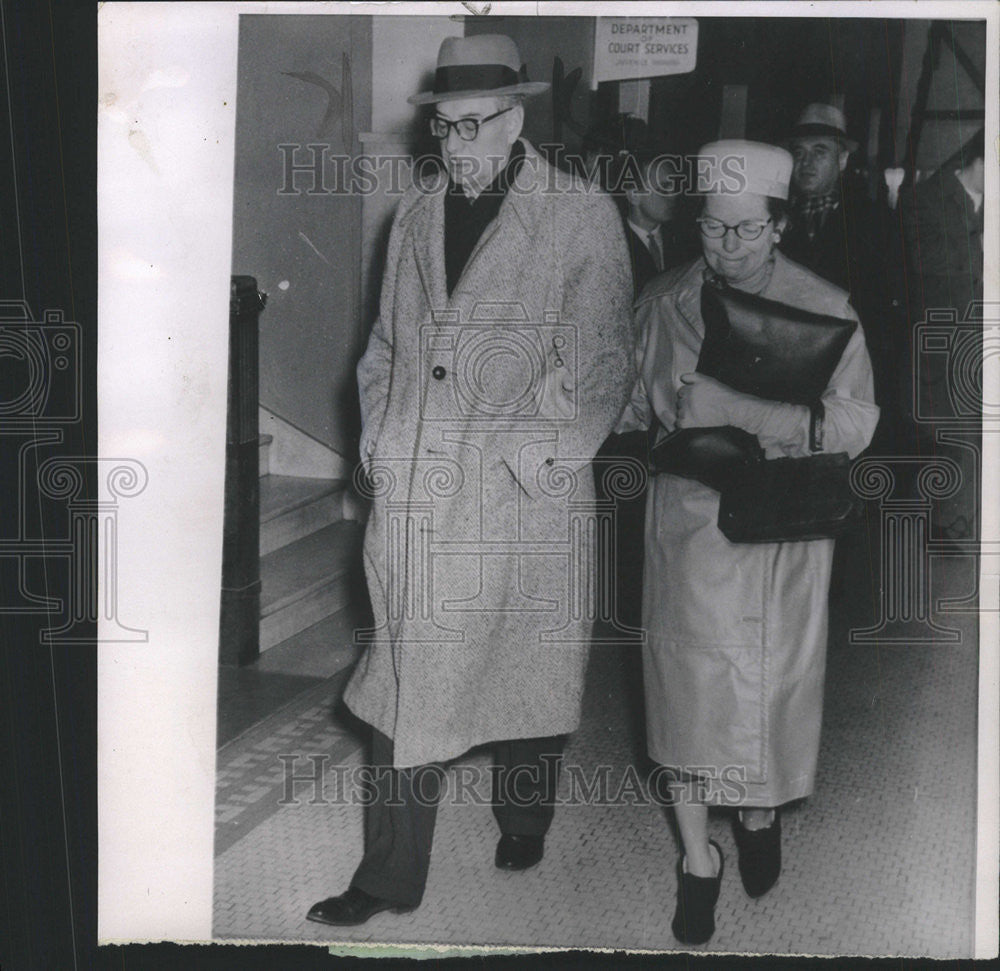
pixel 944 243
pixel 850 251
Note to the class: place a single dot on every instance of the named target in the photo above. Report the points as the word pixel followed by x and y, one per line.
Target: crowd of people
pixel 469 647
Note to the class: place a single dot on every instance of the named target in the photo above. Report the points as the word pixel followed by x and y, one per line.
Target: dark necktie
pixel 655 251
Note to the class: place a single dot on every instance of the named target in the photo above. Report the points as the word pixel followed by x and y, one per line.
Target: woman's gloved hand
pixel 703 402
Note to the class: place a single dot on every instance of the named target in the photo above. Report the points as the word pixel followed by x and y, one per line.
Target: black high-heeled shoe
pixel 694 918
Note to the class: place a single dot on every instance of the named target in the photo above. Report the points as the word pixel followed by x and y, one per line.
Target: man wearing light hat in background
pixel 485 450
pixel 736 632
pixel 833 229
pixel 819 220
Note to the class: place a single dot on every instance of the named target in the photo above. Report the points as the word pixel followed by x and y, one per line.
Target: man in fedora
pixel 500 360
pixel 834 230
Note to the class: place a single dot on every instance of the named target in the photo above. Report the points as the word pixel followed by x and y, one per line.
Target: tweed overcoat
pixel 481 412
pixel 734 662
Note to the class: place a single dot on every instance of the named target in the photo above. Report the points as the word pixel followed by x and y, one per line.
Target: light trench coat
pixel 735 657
pixel 480 414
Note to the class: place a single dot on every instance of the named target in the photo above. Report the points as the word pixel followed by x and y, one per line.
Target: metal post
pixel 239 624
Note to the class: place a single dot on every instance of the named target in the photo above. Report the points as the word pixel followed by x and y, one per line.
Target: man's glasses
pixel 749 229
pixel 467 128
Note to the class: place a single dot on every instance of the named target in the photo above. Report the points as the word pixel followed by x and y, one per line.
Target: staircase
pixel 293 591
pixel 312 583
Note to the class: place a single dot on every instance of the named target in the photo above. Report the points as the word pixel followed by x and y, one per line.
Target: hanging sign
pixel 643 47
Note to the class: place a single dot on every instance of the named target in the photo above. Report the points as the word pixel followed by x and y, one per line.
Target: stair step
pixel 318 651
pixel 308 580
pixel 292 508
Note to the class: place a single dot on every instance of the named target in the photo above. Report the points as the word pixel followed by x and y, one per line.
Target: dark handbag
pixel 713 456
pixel 767 349
pixel 783 500
pixel 781 353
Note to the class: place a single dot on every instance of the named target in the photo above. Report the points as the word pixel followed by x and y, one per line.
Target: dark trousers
pixel 399 821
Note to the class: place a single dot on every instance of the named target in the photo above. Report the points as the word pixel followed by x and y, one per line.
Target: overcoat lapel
pixel 428 248
pixel 509 232
pixel 507 237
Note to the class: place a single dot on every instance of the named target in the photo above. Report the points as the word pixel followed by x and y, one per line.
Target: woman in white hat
pixel 735 654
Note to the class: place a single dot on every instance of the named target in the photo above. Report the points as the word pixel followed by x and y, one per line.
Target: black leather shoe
pixel 519 852
pixel 760 855
pixel 353 907
pixel 694 918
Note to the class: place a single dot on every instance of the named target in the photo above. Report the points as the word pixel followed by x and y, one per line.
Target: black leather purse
pixel 768 349
pixel 714 456
pixel 773 351
pixel 782 500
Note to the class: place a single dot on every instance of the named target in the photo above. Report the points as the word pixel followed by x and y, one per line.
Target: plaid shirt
pixel 811 211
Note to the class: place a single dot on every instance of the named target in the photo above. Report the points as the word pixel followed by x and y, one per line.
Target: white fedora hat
pixel 482 66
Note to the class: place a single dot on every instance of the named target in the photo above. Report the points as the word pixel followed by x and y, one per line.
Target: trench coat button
pixel 439 372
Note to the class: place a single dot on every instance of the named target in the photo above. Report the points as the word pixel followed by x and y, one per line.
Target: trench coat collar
pixel 689 296
pixel 520 212
pixel 689 290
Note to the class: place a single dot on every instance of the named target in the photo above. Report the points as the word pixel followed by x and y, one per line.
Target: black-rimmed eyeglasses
pixel 467 128
pixel 748 230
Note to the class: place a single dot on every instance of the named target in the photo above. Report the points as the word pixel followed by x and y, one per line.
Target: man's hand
pixel 366 451
pixel 557 393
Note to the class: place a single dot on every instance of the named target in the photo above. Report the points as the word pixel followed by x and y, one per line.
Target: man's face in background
pixel 657 199
pixel 819 160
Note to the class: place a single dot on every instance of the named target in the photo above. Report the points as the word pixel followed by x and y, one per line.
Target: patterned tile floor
pixel 879 861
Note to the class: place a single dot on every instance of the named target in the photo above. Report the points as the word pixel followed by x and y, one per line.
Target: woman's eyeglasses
pixel 748 230
pixel 467 128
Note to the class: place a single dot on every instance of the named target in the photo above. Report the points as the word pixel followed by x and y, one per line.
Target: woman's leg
pixel 756 818
pixel 758 842
pixel 699 872
pixel 692 821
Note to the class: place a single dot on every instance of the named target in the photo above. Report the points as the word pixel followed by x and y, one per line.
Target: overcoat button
pixel 439 372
